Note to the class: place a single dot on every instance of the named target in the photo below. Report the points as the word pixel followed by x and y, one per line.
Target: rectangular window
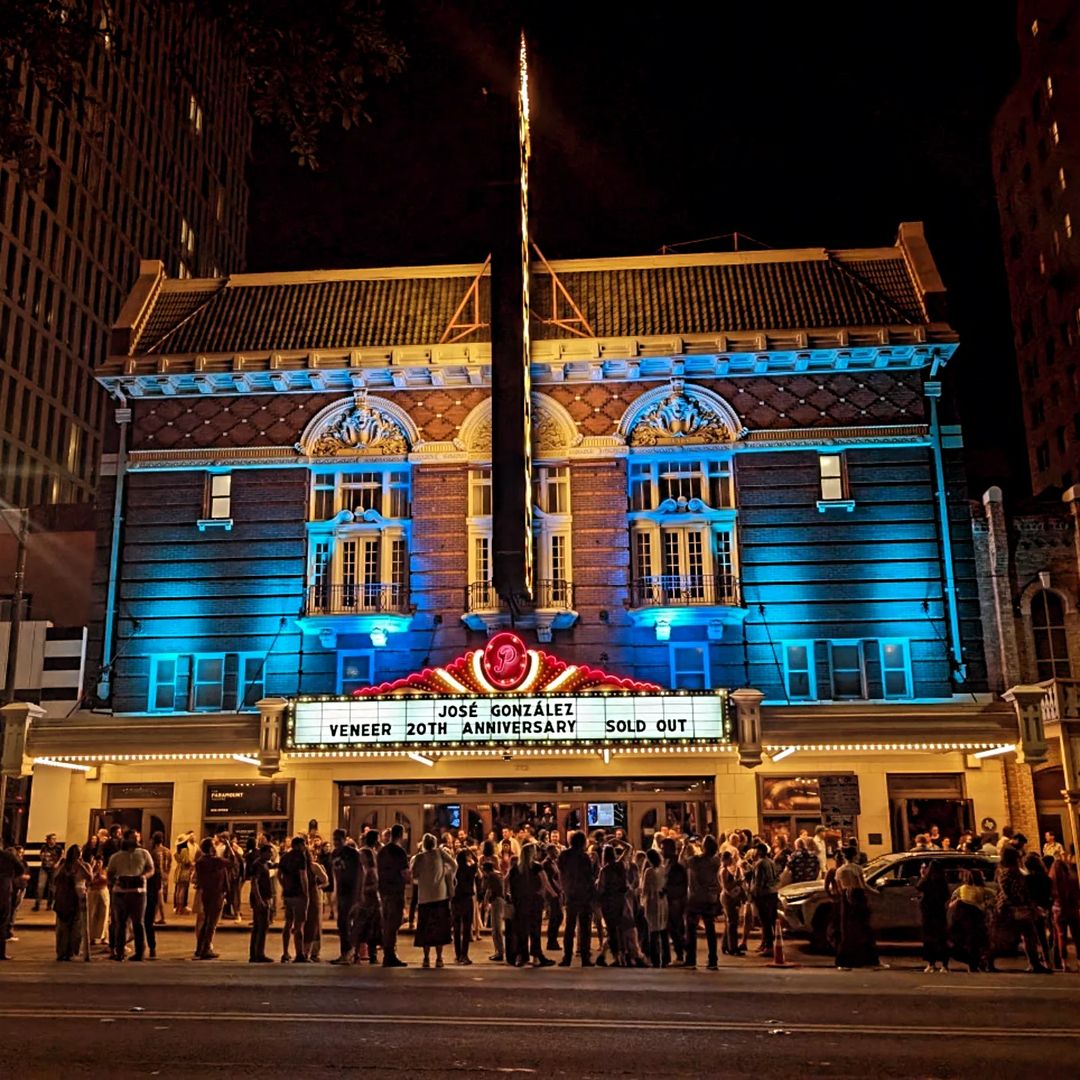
pixel 831 467
pixel 218 496
pixel 552 486
pixel 1061 179
pixel 482 558
pixel 163 683
pixel 653 483
pixel 1068 226
pixel 354 671
pixel 848 673
pixel 690 666
pixel 208 684
pixel 1049 88
pixel 479 492
pixel 1055 132
pixel 799 669
pixel 895 674
pixel 250 690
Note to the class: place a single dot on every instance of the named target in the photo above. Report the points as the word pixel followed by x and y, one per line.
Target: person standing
pixel 1042 901
pixel 367 913
pixel 292 874
pixel 261 893
pixel 933 889
pixel 211 876
pixel 317 880
pixel 968 939
pixel 165 860
pixel 97 899
pixel 703 900
pixel 185 867
pixel 345 866
pixel 392 864
pixel 69 903
pixel 11 874
pixel 576 876
pixel 764 886
pixel 462 905
pixel 1013 915
pixel 732 898
pixel 655 909
pixel 433 871
pixel 1065 910
pixel 50 855
pixel 677 884
pixel 493 890
pixel 555 900
pixel 154 885
pixel 857 946
pixel 127 872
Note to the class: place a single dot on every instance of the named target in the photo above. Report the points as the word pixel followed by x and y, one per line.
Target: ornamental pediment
pixel 681 415
pixel 357 427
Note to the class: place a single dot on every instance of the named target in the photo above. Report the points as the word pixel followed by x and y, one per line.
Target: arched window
pixel 1048 626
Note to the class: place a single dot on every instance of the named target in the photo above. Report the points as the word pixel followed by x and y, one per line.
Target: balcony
pixel 1062 702
pixel 552 608
pixel 662 601
pixel 376 609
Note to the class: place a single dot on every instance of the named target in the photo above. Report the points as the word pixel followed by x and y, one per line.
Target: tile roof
pixel 620 298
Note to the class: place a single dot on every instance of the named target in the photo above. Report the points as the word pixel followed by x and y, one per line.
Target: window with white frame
pixel 833 478
pixel 682 531
pixel 848 668
pixel 1051 640
pixel 358 540
pixel 690 665
pixel 355 670
pixel 653 482
pixel 895 669
pixel 217 504
pixel 799 670
pixel 552 524
pixel 206 682
pixel 481 593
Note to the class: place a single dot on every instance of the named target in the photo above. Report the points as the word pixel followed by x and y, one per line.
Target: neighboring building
pixel 1029 571
pixel 1036 157
pixel 753 550
pixel 152 164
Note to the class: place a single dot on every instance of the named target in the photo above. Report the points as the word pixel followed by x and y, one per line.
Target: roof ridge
pixel 869 287
pixel 188 317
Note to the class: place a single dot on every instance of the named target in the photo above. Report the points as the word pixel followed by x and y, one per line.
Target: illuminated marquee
pixel 506 694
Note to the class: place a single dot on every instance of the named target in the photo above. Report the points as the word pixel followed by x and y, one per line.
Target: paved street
pixel 226 1018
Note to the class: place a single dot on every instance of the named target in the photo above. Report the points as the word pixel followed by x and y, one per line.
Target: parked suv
pixel 807 909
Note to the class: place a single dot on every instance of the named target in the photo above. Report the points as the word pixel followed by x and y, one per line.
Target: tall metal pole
pixel 11 672
pixel 16 608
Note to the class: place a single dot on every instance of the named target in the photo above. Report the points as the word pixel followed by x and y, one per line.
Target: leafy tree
pixel 307 63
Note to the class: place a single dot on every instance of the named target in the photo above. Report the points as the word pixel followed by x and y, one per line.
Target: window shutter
pixel 823 669
pixel 875 683
pixel 230 691
pixel 182 692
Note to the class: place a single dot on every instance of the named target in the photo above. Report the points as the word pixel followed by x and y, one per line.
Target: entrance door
pixel 146 820
pixel 357 818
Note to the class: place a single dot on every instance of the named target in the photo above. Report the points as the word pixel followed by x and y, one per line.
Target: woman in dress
pixel 1013 914
pixel 612 888
pixel 69 903
pixel 529 888
pixel 433 871
pixel 857 947
pixel 733 895
pixel 185 863
pixel 933 891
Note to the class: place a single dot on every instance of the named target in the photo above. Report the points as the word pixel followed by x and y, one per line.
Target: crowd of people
pixel 595 898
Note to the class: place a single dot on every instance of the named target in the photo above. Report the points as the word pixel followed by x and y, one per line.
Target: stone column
pixel 1031 749
pixel 748 725
pixel 271 733
pixel 1004 623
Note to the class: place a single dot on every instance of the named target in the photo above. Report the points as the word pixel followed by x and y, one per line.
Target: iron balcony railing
pixel 678 590
pixel 374 598
pixel 549 594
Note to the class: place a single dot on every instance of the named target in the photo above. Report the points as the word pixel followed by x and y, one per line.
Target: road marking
pixel 585 1023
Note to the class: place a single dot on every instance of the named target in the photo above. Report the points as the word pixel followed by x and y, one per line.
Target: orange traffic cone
pixel 778 948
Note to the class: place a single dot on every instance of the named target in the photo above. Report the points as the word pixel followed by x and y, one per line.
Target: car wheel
pixel 820 930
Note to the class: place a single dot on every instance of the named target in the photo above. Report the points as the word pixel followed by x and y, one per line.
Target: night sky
pixel 797 125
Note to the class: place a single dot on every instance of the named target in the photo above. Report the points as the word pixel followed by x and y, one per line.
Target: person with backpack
pixel 764 891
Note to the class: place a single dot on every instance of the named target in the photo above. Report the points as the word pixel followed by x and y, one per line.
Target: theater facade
pixel 754 604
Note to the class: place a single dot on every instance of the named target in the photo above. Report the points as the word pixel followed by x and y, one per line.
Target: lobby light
pixel 786 752
pixel 53 763
pixel 246 759
pixel 994 751
pixel 422 759
pixel 607 756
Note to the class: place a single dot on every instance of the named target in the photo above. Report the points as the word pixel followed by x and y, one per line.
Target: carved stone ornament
pixel 680 418
pixel 361 429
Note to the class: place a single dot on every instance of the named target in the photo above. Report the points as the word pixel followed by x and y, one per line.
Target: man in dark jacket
pixel 676 887
pixel 577 878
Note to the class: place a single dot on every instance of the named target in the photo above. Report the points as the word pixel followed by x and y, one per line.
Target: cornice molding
pixel 554 361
